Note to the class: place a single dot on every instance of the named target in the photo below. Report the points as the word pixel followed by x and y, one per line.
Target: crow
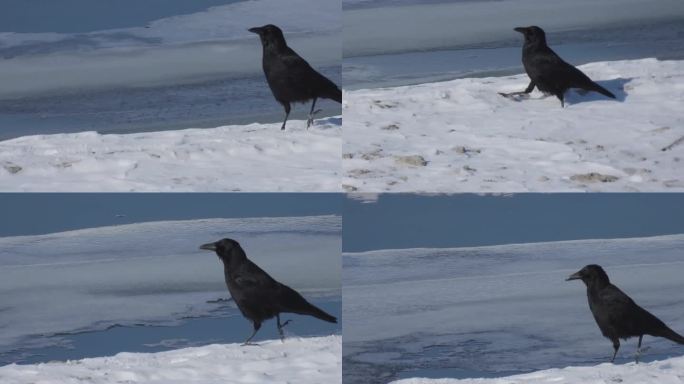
pixel 618 316
pixel 290 77
pixel 258 296
pixel 547 71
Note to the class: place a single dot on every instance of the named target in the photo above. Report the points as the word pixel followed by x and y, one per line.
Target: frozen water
pixel 498 310
pixel 149 273
pixel 198 69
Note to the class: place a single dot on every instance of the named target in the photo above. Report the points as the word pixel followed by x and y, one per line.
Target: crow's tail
pixel 334 94
pixel 672 335
pixel 320 314
pixel 597 88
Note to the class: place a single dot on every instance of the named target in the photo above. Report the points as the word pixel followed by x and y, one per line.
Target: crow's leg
pixel 639 349
pixel 561 97
pixel 311 113
pixel 280 327
pixel 257 325
pixel 527 90
pixel 616 346
pixel 286 105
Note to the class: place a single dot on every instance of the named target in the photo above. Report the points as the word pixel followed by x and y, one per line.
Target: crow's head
pixel 269 35
pixel 590 274
pixel 533 34
pixel 226 249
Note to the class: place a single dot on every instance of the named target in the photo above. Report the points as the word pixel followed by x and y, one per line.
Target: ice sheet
pixel 494 311
pixel 150 273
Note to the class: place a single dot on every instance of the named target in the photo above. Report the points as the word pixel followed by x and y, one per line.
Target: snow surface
pixel 461 135
pixel 150 273
pixel 253 158
pixel 670 371
pixel 499 310
pixel 306 360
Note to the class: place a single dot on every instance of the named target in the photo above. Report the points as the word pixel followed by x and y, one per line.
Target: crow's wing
pixel 560 75
pixel 301 74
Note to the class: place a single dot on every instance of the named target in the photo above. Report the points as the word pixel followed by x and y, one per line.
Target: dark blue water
pixel 40 213
pixel 228 327
pixel 80 16
pixel 399 221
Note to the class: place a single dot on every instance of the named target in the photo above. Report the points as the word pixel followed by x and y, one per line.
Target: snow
pixel 461 135
pixel 499 310
pixel 670 371
pixel 306 360
pixel 253 157
pixel 150 273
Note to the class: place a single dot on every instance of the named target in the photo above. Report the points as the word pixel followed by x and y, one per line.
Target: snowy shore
pixel 249 158
pixel 670 371
pixel 461 135
pixel 305 360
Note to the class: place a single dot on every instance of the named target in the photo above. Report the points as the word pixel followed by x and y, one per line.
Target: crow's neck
pixel 236 258
pixel 274 46
pixel 597 285
pixel 535 45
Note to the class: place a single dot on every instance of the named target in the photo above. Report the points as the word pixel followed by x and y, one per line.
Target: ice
pixel 253 157
pixel 461 135
pixel 174 50
pixel 418 26
pixel 498 310
pixel 307 360
pixel 150 273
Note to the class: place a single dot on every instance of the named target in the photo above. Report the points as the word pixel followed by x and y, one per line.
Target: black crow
pixel 258 296
pixel 618 316
pixel 547 71
pixel 290 77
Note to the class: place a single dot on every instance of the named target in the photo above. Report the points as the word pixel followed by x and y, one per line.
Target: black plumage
pixel 547 71
pixel 258 296
pixel 289 76
pixel 616 314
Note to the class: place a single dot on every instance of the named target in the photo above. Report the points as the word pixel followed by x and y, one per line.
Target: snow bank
pixel 253 158
pixel 308 360
pixel 670 371
pixel 461 135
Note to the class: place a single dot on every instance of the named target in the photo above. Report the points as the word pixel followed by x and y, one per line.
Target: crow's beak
pixel 574 276
pixel 520 29
pixel 208 247
pixel 256 30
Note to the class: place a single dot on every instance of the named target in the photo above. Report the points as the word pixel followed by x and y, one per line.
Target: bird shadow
pixel 616 86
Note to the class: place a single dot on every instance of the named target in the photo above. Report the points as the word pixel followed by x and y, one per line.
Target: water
pixel 78 16
pixel 225 326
